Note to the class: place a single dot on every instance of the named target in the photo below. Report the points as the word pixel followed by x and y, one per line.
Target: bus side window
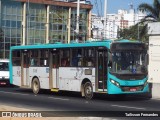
pixel 89 57
pixel 76 57
pixel 90 62
pixel 43 56
pixel 16 58
pixel 65 57
pixel 64 62
pixel 34 58
pixel 32 62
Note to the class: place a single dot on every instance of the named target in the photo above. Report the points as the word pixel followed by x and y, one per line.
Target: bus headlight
pixel 115 83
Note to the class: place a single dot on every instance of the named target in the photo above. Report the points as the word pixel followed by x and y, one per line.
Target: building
pixel 98 30
pixel 122 20
pixel 97 27
pixel 24 22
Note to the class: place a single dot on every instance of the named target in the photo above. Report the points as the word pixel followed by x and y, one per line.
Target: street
pixel 69 102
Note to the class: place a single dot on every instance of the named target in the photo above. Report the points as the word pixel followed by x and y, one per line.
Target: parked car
pixel 4 72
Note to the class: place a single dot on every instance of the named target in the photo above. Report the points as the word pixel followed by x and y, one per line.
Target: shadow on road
pixel 77 95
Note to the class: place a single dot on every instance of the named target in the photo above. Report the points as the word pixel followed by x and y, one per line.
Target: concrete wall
pixel 156 90
pixel 154 50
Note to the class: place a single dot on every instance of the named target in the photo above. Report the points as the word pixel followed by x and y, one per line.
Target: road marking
pixel 58 98
pixel 128 107
pixel 13 93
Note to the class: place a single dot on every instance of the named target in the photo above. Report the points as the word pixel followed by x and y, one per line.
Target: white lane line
pixel 13 93
pixel 128 107
pixel 58 98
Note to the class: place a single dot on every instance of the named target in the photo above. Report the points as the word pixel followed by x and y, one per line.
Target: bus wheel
pixel 88 90
pixel 35 86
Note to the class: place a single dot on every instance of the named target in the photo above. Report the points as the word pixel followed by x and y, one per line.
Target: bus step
pixel 54 89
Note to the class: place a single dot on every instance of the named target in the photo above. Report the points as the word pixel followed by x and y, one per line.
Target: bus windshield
pixel 129 62
pixel 4 66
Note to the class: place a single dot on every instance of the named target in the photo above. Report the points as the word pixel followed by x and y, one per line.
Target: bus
pixel 111 67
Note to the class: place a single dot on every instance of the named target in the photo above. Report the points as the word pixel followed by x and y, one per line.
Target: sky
pixel 114 5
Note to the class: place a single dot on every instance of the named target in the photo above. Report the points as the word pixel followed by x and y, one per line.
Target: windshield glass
pixel 129 62
pixel 4 66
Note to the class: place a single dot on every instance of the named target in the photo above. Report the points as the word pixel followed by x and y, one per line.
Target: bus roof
pixel 105 43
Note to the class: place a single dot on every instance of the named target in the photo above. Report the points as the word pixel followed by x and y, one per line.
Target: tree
pixel 153 15
pixel 132 33
pixel 153 11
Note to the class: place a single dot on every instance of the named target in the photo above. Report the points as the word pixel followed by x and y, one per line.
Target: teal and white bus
pixel 111 67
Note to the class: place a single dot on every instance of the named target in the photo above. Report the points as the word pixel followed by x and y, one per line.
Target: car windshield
pixel 4 66
pixel 129 62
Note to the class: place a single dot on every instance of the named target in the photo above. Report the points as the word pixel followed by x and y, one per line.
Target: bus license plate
pixel 132 89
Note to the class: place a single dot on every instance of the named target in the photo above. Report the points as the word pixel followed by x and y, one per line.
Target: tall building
pixel 25 22
pixel 97 27
pixel 114 22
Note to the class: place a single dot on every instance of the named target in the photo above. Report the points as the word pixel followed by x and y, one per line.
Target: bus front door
pixel 102 69
pixel 25 69
pixel 54 65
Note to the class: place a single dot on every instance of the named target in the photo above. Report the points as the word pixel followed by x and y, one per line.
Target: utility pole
pixel 28 20
pixel 77 23
pixel 138 26
pixel 105 18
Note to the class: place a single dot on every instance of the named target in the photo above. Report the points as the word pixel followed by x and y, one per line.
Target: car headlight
pixel 115 83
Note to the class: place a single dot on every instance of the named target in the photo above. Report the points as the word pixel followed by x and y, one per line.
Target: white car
pixel 4 72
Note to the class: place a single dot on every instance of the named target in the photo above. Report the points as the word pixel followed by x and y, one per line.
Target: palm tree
pixel 153 11
pixel 153 15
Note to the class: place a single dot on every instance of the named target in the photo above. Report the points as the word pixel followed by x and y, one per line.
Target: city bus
pixel 111 67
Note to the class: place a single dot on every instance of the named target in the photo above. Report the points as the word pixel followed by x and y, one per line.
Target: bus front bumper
pixel 114 89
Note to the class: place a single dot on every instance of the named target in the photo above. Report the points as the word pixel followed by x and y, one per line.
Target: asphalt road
pixel 68 103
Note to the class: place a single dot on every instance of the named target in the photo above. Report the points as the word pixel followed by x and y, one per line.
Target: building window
pixel 58 22
pixel 11 26
pixel 36 26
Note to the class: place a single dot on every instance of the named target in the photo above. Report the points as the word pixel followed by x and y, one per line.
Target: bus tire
pixel 35 86
pixel 88 90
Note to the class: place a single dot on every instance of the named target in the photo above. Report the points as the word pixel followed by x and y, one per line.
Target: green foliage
pixel 134 33
pixel 153 15
pixel 153 11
